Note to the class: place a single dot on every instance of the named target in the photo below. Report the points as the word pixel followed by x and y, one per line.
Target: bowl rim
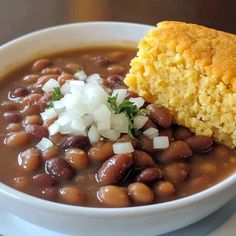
pixel 65 209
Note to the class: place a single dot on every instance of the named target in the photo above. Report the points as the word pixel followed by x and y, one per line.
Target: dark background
pixel 18 17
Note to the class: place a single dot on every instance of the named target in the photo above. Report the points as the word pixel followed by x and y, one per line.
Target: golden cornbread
pixel 191 70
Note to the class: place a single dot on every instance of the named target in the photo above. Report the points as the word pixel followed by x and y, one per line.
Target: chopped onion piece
pixel 94 78
pixel 44 144
pixel 50 85
pixel 160 142
pixel 65 88
pixel 151 132
pixel 111 134
pixel 64 119
pixel 122 148
pixel 53 128
pixel 102 117
pixel 88 120
pixel 58 106
pixel 139 121
pixel 80 75
pixel 78 126
pixel 48 114
pixel 120 122
pixel 137 101
pixel 93 134
pixel 76 83
pixel 120 93
pixel 66 129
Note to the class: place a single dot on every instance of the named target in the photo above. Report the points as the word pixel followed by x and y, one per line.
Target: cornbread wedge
pixel 191 70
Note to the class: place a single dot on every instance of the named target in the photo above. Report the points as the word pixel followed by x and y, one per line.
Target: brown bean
pixel 12 116
pixel 17 139
pixel 149 174
pixel 116 69
pixel 43 180
pixel 142 159
pixel 64 77
pixel 145 143
pixel 50 153
pixel 51 71
pixel 198 184
pixel 72 68
pixel 114 168
pixel 41 64
pixel 14 127
pixel 29 160
pixel 176 150
pixel 200 143
pixel 77 158
pixel 101 151
pixel 30 110
pixel 19 92
pixel 43 101
pixel 208 169
pixel 221 152
pixel 30 79
pixel 72 195
pixel 140 193
pixel 10 105
pixel 113 196
pixel 32 120
pixel 21 183
pixel 31 99
pixel 131 94
pixel 114 81
pixel 116 56
pixel 127 138
pixel 164 189
pixel 44 79
pixel 50 193
pixel 78 141
pixel 49 122
pixel 176 172
pixel 59 168
pixel 160 115
pixel 181 132
pixel 100 60
pixel 56 138
pixel 149 124
pixel 37 131
pixel 167 132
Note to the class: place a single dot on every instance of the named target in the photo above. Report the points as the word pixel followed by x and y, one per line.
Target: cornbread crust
pixel 191 70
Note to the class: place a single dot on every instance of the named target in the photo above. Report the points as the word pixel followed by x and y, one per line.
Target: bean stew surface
pixel 91 170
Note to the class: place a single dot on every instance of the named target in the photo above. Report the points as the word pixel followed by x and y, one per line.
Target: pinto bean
pixel 114 81
pixel 50 153
pixel 101 151
pixel 114 168
pixel 142 159
pixel 176 172
pixel 19 92
pixel 43 180
pixel 43 101
pixel 77 158
pixel 14 127
pixel 37 131
pixel 140 193
pixel 167 132
pixel 176 150
pixel 17 139
pixel 59 168
pixel 41 64
pixel 32 120
pixel 116 56
pixel 164 189
pixel 160 115
pixel 51 71
pixel 10 106
pixel 21 182
pixel 100 60
pixel 43 79
pixel 50 193
pixel 145 143
pixel 29 160
pixel 200 143
pixel 72 68
pixel 78 141
pixel 64 77
pixel 131 94
pixel 113 196
pixel 12 116
pixel 31 99
pixel 149 124
pixel 30 79
pixel 149 174
pixel 30 110
pixel 181 132
pixel 116 69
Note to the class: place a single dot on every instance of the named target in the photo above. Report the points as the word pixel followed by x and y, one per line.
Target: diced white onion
pixel 80 75
pixel 44 144
pixel 151 132
pixel 48 114
pixel 121 148
pixel 160 142
pixel 120 93
pixel 78 126
pixel 111 134
pixel 137 101
pixel 58 106
pixel 76 83
pixel 88 120
pixel 120 122
pixel 50 85
pixel 63 120
pixel 93 134
pixel 139 121
pixel 53 129
pixel 94 78
pixel 65 88
pixel 102 117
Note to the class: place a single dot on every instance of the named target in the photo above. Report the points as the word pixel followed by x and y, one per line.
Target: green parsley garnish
pixel 56 95
pixel 131 111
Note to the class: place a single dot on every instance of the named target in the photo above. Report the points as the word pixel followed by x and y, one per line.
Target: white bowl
pixel 75 220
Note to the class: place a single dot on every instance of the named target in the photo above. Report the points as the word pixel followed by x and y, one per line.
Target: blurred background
pixel 18 17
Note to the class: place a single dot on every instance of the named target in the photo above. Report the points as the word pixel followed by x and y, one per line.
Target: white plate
pixel 220 223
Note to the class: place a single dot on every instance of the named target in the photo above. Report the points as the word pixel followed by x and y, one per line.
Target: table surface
pixel 220 223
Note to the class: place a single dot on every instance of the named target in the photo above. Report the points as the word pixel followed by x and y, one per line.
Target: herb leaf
pixel 56 95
